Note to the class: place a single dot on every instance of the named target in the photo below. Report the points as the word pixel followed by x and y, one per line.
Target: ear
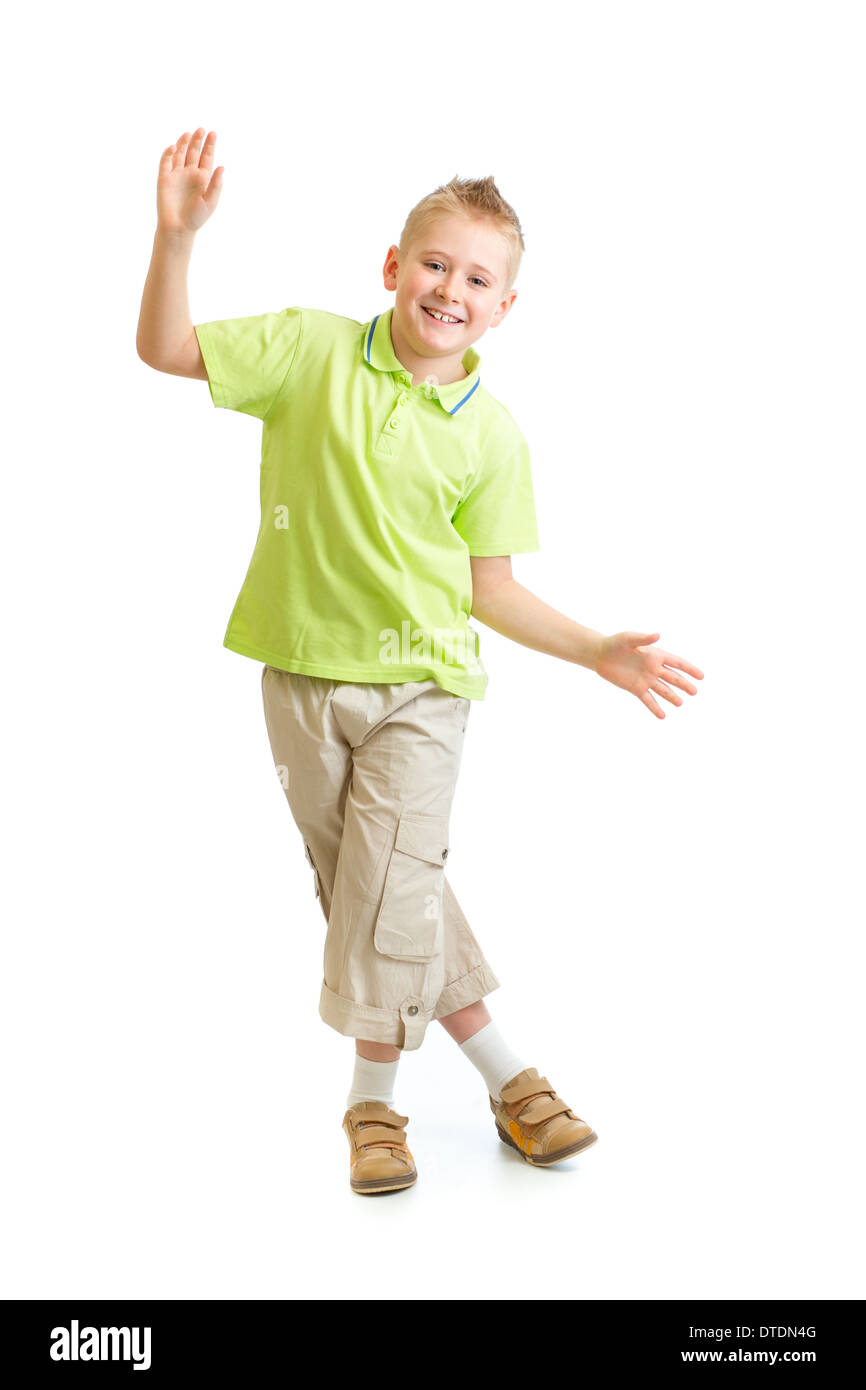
pixel 389 269
pixel 502 309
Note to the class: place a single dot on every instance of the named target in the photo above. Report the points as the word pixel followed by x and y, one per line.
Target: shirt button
pixel 412 1009
pixel 403 400
pixel 394 422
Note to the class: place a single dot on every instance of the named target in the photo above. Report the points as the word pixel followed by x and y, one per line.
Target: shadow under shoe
pixel 379 1156
pixel 531 1118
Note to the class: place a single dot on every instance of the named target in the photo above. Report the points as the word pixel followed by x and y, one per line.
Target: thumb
pixel 640 639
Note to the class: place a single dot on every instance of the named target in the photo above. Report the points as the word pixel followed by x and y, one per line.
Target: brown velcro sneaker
pixel 532 1119
pixel 379 1157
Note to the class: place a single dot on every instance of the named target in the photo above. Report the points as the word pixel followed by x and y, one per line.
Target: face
pixel 457 268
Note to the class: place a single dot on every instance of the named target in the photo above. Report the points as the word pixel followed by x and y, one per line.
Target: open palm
pixel 187 191
pixel 629 660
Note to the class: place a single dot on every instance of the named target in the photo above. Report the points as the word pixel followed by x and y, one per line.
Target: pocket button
pixel 444 854
pixel 412 1009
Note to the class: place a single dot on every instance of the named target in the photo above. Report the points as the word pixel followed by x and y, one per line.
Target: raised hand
pixel 186 190
pixel 626 660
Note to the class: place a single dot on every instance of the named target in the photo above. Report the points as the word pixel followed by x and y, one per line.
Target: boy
pixel 394 489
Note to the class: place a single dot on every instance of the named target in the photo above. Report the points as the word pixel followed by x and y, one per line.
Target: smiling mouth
pixel 450 321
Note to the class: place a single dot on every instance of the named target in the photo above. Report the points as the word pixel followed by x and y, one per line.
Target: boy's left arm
pixel 625 659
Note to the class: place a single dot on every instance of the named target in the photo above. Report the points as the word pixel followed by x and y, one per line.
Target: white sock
pixel 488 1051
pixel 373 1081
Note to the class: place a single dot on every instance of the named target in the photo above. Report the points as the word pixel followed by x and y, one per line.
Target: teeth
pixel 445 318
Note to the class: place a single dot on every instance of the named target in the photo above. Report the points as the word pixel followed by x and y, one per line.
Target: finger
pixel 180 150
pixel 668 674
pixel 166 159
pixel 206 161
pixel 639 639
pixel 194 150
pixel 652 705
pixel 661 689
pixel 212 192
pixel 671 660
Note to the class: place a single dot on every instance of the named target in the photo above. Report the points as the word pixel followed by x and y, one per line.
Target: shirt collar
pixel 379 352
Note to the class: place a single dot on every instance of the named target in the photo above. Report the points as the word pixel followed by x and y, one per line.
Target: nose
pixel 448 289
pixel 446 295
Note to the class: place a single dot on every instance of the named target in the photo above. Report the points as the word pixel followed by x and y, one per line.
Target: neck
pixel 446 369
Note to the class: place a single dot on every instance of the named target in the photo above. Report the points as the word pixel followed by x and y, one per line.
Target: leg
pixel 314 761
pixel 374 1076
pixel 376 1052
pixel 464 1023
pixel 385 958
pixel 480 1040
pixel 468 975
pixel 314 764
pixel 357 756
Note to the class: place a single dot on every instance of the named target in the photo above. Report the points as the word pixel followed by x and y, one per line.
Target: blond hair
pixel 478 198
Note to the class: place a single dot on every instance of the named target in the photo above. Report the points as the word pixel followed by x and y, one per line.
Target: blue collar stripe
pixel 367 355
pixel 465 398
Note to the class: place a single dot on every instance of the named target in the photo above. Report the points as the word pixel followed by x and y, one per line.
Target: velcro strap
pixel 380 1114
pixel 525 1089
pixel 544 1111
pixel 379 1134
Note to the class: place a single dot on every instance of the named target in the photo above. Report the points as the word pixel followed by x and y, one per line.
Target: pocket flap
pixel 424 837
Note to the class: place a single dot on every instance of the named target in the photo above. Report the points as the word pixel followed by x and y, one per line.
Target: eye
pixel 437 265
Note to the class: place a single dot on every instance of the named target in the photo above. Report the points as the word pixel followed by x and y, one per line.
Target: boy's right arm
pixel 186 195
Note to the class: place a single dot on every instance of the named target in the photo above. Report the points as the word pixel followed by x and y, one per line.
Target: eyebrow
pixel 487 272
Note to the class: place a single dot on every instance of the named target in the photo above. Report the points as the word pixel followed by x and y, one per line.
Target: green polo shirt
pixel 374 494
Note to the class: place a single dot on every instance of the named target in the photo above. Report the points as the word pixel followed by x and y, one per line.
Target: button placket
pixel 391 426
pixel 396 418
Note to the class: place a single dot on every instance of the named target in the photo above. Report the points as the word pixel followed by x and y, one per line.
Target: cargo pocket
pixel 408 924
pixel 312 863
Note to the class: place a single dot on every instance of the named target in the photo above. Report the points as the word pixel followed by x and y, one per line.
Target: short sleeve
pixel 496 514
pixel 248 360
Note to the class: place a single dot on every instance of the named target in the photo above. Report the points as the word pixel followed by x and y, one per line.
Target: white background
pixel 673 907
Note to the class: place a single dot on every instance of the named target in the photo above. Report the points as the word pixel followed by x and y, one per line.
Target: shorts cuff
pixel 467 990
pixel 403 1027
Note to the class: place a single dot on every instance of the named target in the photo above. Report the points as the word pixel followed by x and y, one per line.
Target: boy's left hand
pixel 625 659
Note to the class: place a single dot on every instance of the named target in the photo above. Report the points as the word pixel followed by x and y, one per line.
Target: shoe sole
pixel 367 1187
pixel 545 1160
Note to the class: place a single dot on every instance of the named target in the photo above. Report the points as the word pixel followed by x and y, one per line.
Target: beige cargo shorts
pixel 369 772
